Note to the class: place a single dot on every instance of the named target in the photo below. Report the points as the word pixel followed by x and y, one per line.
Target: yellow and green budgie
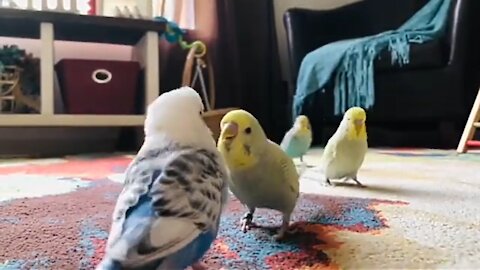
pixel 346 149
pixel 262 175
pixel 298 139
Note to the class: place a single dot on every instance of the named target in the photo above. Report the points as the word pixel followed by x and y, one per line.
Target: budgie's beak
pixel 229 131
pixel 305 126
pixel 358 123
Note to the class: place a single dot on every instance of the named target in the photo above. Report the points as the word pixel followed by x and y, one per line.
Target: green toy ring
pixel 201 47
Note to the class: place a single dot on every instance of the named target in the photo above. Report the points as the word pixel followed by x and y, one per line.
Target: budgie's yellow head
pixel 241 139
pixel 303 123
pixel 355 119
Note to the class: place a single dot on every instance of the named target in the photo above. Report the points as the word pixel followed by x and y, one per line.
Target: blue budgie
pixel 298 139
pixel 168 213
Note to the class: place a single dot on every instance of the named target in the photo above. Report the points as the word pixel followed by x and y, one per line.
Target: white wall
pixel 282 5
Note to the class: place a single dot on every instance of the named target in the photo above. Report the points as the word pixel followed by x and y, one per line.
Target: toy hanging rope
pixel 197 53
pixel 197 64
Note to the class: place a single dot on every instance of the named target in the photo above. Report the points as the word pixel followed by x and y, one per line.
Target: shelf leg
pixel 46 68
pixel 469 130
pixel 146 52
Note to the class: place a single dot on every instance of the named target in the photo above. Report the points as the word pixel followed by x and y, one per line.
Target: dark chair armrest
pixel 462 32
pixel 308 29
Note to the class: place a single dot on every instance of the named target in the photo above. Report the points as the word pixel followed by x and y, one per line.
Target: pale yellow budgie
pixel 345 150
pixel 262 175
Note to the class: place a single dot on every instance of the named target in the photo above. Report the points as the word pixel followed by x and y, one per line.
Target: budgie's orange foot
pixel 246 223
pixel 279 236
pixel 284 229
pixel 281 233
pixel 358 182
pixel 327 183
pixel 293 230
pixel 199 266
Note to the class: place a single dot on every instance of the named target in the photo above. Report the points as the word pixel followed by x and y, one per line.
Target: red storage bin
pixel 98 86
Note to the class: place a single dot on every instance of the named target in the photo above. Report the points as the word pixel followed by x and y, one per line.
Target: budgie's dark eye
pixel 248 130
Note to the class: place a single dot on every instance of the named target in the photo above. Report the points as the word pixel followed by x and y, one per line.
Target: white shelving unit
pixel 145 52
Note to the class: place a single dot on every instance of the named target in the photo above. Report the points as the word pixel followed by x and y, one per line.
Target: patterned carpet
pixel 419 210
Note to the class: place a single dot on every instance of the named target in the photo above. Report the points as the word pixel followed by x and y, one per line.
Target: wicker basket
pixel 212 119
pixel 11 90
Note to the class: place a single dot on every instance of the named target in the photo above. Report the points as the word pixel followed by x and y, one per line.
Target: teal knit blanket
pixel 350 62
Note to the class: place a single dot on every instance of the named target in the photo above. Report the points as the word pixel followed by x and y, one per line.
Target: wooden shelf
pixel 49 26
pixel 76 27
pixel 70 120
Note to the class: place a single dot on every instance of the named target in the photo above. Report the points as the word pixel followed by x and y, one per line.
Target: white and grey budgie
pixel 346 149
pixel 168 213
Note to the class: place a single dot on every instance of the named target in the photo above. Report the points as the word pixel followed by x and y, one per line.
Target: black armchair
pixel 435 90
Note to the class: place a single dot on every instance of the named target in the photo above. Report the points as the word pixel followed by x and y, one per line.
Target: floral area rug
pixel 419 210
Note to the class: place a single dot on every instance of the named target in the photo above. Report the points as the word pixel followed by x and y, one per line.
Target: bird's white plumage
pixel 175 116
pixel 174 189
